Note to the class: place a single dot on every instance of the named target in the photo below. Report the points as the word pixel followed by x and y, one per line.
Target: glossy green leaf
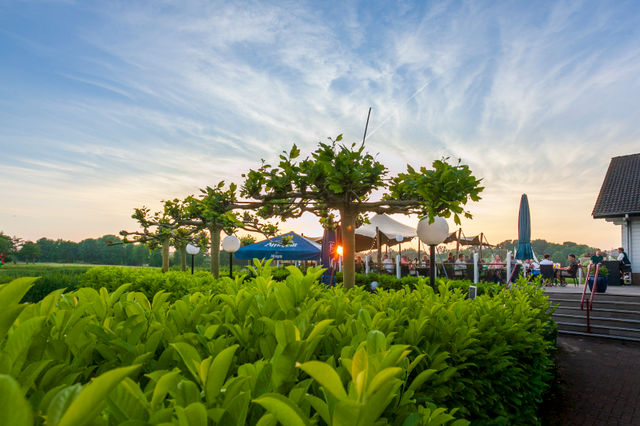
pixel 287 413
pixel 89 402
pixel 326 376
pixel 218 372
pixel 14 408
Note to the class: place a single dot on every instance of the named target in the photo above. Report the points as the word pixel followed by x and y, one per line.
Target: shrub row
pixel 50 278
pixel 150 281
pixel 262 352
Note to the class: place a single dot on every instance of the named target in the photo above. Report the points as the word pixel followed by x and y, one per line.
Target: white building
pixel 619 203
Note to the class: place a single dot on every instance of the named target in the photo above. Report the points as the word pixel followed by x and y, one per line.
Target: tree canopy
pixel 337 179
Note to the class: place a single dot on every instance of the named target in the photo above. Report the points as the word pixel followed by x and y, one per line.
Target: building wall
pixel 631 243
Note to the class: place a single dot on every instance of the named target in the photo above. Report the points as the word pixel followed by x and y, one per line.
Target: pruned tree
pixel 341 179
pixel 216 210
pixel 163 229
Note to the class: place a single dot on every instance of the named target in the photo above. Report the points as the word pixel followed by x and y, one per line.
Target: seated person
pixel 570 271
pixel 547 260
pixel 425 261
pixel 460 266
pixel 451 258
pixel 388 265
pixel 359 264
pixel 495 266
pixel 597 258
pixel 532 267
pixel 625 263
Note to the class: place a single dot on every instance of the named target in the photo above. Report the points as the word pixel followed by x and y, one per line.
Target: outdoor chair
pixel 548 274
pixel 572 274
pixel 404 270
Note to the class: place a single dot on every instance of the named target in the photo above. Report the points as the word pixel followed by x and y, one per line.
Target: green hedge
pixel 149 280
pixel 50 278
pixel 262 351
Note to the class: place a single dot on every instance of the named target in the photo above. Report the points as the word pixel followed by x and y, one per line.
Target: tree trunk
pixel 183 258
pixel 348 223
pixel 165 255
pixel 215 250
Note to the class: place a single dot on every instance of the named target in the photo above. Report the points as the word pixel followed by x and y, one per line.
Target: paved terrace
pixel 618 290
pixel 598 383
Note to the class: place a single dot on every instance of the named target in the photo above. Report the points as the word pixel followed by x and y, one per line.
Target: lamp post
pixel 432 234
pixel 192 250
pixel 230 244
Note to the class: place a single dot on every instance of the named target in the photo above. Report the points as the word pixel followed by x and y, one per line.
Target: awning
pixel 389 230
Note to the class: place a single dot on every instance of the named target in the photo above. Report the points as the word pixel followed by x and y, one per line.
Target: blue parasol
pixel 524 231
pixel 299 248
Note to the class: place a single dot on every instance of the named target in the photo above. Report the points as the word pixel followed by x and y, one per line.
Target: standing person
pixel 597 258
pixel 359 264
pixel 387 264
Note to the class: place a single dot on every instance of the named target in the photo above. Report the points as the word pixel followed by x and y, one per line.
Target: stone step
pixel 598 335
pixel 598 297
pixel 599 329
pixel 602 321
pixel 598 312
pixel 609 304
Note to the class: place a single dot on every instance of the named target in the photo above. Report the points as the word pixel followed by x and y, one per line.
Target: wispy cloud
pixel 159 99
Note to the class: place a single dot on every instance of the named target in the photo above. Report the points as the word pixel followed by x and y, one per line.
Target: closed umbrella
pixel 524 231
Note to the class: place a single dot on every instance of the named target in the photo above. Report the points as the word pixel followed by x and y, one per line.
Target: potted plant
pixel 603 279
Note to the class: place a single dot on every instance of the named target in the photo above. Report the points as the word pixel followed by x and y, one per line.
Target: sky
pixel 108 106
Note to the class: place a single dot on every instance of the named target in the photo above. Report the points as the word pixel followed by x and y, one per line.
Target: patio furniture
pixel 548 274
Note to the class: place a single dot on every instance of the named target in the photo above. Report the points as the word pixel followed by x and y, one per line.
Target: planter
pixel 602 284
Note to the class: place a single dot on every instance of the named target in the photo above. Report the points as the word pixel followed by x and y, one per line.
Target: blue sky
pixel 106 106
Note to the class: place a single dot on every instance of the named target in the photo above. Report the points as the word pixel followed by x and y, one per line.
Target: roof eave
pixel 616 214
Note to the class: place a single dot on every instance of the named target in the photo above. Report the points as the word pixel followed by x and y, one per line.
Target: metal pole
pixel 379 250
pixel 230 265
pixel 192 256
pixel 398 270
pixel 432 264
pixel 476 273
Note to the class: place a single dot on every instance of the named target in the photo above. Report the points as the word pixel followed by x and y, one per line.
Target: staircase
pixel 612 316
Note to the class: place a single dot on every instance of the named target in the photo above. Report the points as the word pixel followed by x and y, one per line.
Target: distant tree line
pixel 558 252
pixel 105 250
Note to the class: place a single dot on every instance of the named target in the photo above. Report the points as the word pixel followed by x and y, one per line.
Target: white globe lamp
pixel 432 234
pixel 192 250
pixel 230 244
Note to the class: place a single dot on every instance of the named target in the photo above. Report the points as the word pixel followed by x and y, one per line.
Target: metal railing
pixel 594 289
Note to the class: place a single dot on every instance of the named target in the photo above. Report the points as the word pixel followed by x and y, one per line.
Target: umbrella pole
pixel 379 250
